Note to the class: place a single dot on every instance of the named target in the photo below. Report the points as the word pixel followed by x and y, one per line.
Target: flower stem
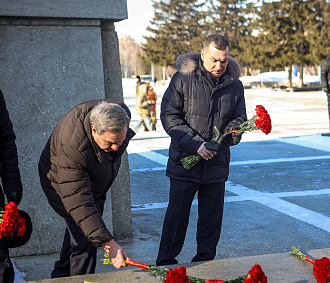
pixel 137 264
pixel 297 252
pixel 190 161
pixel 248 125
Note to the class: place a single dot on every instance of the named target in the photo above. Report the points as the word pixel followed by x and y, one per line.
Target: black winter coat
pixel 76 174
pixel 325 75
pixel 9 171
pixel 191 107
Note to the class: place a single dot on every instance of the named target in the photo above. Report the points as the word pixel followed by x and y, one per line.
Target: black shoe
pixel 166 262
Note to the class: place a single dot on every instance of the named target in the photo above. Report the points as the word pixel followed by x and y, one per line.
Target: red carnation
pixel 321 267
pixel 321 270
pixel 178 275
pixel 264 121
pixel 23 227
pixel 10 221
pixel 256 275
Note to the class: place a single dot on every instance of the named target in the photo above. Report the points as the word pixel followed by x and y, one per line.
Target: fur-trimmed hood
pixel 188 63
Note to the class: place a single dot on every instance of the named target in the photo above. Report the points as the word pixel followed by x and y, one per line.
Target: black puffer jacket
pixel 191 107
pixel 325 75
pixel 76 174
pixel 9 171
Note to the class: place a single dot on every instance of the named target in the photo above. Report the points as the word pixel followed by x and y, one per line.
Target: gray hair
pixel 220 41
pixel 110 117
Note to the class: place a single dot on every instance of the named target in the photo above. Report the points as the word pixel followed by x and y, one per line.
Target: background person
pixel 143 109
pixel 11 182
pixel 152 99
pixel 204 93
pixel 138 83
pixel 325 78
pixel 77 167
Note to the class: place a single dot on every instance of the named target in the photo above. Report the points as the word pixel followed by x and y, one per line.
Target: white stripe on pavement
pixel 153 156
pixel 311 141
pixel 277 160
pixel 159 158
pixel 270 200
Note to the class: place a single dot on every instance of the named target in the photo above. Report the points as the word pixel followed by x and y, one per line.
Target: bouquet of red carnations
pixel 179 275
pixel 10 221
pixel 259 121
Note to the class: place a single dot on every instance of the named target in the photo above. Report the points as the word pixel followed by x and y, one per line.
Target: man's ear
pixel 202 55
pixel 93 129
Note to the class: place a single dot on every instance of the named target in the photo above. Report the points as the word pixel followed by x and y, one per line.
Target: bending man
pixel 77 167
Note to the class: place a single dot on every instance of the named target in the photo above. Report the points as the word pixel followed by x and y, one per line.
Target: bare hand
pixel 205 153
pixel 117 254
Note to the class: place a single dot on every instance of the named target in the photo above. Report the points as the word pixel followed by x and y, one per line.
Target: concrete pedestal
pixel 53 56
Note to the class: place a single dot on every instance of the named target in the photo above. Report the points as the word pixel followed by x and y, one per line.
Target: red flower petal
pixel 321 270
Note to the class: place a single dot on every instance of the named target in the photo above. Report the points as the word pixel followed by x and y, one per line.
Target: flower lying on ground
pixel 10 221
pixel 259 121
pixel 321 267
pixel 179 275
pixel 256 275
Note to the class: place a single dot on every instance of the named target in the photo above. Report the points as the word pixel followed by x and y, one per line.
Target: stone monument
pixel 53 56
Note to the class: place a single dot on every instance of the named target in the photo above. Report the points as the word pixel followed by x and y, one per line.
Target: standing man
pixel 205 93
pixel 325 78
pixel 77 167
pixel 11 182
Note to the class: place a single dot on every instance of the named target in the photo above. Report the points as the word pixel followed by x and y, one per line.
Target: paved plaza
pixel 277 195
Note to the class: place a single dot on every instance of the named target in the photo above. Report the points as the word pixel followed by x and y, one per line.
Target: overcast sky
pixel 140 12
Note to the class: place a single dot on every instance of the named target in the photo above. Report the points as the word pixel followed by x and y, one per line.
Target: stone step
pixel 283 267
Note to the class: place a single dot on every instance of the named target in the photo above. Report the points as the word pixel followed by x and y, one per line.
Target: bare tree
pixel 131 64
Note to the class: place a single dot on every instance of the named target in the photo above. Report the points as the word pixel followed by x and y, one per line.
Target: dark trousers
pixel 210 212
pixel 328 96
pixel 7 274
pixel 78 255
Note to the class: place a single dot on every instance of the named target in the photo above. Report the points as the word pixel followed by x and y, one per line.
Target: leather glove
pixel 222 141
pixel 15 197
pixel 212 145
pixel 235 138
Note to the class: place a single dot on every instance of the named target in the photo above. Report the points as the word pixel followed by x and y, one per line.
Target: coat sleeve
pixel 173 117
pixel 77 198
pixel 10 174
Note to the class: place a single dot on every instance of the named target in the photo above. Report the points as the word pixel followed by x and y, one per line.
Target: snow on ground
pixel 282 76
pixel 279 76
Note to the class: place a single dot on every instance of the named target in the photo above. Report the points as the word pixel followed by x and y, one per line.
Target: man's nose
pixel 115 147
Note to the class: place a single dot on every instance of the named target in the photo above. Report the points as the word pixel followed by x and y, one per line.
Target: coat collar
pixel 189 63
